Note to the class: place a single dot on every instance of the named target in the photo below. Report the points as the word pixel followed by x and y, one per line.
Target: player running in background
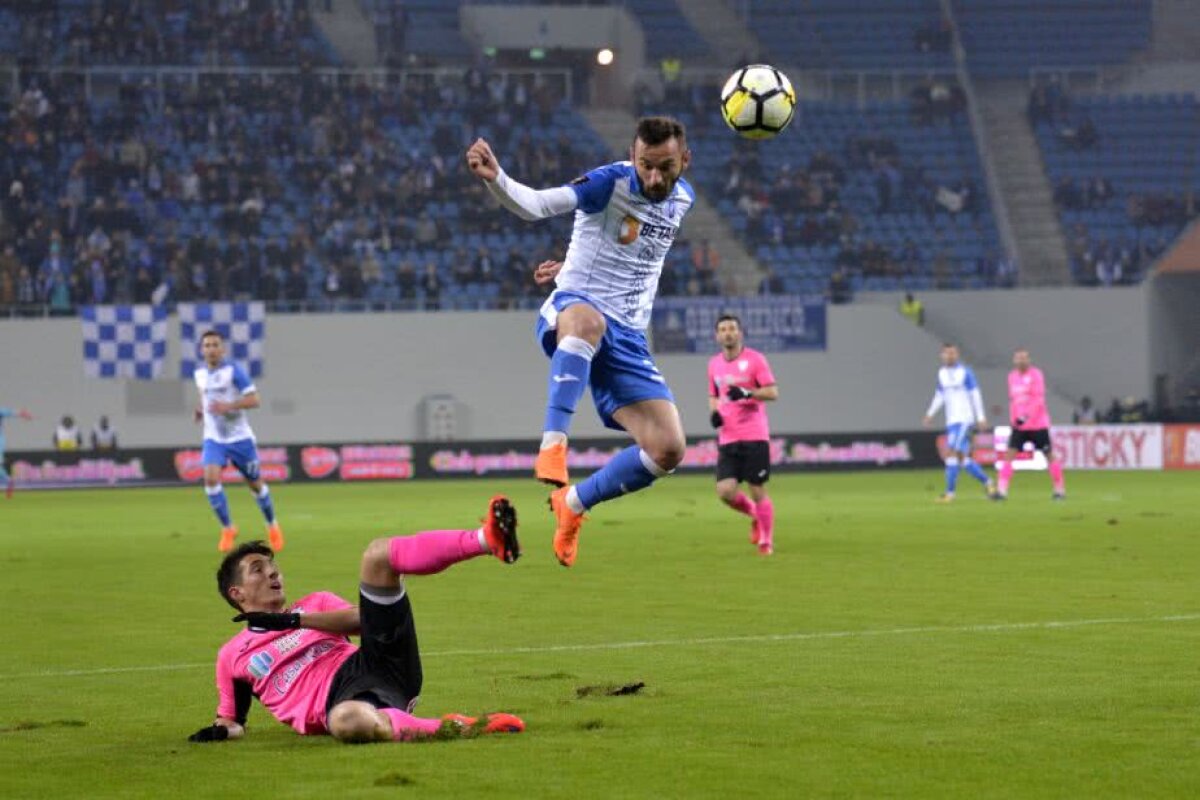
pixel 593 326
pixel 958 392
pixel 740 381
pixel 226 394
pixel 1030 423
pixel 5 413
pixel 299 663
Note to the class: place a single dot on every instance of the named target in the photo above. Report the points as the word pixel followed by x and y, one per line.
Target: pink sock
pixel 743 504
pixel 405 726
pixel 1006 471
pixel 765 511
pixel 432 551
pixel 1056 476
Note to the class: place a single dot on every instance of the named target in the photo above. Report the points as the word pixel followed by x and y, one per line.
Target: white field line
pixel 998 627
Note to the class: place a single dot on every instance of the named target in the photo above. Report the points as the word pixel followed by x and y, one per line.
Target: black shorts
pixel 744 461
pixel 1040 439
pixel 386 670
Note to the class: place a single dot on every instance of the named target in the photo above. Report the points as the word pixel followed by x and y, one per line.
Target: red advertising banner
pixel 1109 446
pixel 272 464
pixel 1181 447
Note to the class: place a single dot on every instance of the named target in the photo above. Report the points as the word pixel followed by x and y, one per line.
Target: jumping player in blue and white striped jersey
pixel 958 393
pixel 593 326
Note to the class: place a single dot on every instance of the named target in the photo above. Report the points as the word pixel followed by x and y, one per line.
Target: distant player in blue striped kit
pixel 226 394
pixel 593 326
pixel 5 478
pixel 958 392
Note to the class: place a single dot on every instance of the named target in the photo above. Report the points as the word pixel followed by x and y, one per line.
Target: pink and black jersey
pixel 744 420
pixel 1027 400
pixel 290 672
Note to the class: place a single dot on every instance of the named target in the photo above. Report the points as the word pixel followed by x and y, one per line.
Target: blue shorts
pixel 623 371
pixel 959 438
pixel 242 454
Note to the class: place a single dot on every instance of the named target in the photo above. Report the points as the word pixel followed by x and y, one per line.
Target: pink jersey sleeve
pixel 324 601
pixel 762 373
pixel 713 389
pixel 226 707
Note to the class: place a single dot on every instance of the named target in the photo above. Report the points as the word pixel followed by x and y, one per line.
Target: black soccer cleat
pixel 500 529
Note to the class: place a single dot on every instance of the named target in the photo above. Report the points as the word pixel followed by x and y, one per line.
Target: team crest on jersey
pixel 582 179
pixel 627 233
pixel 260 664
pixel 743 365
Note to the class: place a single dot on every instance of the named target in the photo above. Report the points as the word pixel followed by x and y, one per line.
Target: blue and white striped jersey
pixel 227 383
pixel 620 241
pixel 959 392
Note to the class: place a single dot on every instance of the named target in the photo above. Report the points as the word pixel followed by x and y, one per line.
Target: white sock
pixel 551 438
pixel 573 501
pixel 483 545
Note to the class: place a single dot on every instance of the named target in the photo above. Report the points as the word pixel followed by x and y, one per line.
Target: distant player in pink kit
pixel 739 383
pixel 1030 423
pixel 299 662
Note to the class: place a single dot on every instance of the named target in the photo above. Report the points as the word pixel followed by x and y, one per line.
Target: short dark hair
pixel 656 130
pixel 211 332
pixel 229 574
pixel 727 318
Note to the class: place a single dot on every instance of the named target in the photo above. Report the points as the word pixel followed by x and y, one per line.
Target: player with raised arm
pixel 226 394
pixel 297 660
pixel 740 382
pixel 593 325
pixel 1030 423
pixel 958 391
pixel 5 478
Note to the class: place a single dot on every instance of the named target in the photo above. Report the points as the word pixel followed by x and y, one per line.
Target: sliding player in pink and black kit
pixel 299 662
pixel 1030 423
pixel 739 383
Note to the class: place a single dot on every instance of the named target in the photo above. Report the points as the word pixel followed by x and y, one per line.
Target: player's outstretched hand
pixel 926 422
pixel 213 733
pixel 267 621
pixel 716 419
pixel 546 272
pixel 482 161
pixel 983 424
pixel 739 393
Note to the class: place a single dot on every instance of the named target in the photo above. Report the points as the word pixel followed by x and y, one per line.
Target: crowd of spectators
pixel 171 32
pixel 281 188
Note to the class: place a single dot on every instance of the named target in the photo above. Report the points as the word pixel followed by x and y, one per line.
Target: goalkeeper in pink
pixel 298 660
pixel 1030 423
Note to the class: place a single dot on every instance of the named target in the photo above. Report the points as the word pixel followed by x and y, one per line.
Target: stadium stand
pixel 1124 169
pixel 867 35
pixel 1008 37
pixel 294 189
pixel 890 194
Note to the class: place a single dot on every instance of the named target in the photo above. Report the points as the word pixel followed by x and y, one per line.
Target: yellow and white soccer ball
pixel 758 101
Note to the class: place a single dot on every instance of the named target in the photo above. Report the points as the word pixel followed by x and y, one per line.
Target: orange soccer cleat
pixel 492 723
pixel 551 465
pixel 566 529
pixel 227 537
pixel 500 529
pixel 275 536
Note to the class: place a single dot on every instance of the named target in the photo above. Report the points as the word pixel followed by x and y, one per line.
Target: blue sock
pixel 952 468
pixel 216 499
pixel 570 367
pixel 265 505
pixel 630 471
pixel 976 471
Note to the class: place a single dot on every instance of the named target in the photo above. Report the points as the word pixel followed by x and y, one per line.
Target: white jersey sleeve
pixel 532 204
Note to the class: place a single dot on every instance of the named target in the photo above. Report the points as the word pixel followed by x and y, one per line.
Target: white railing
pixel 103 78
pixel 859 85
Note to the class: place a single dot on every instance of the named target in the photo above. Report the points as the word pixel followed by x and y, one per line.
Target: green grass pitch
pixel 890 648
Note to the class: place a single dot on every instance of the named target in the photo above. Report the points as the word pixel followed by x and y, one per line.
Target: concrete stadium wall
pixel 364 376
